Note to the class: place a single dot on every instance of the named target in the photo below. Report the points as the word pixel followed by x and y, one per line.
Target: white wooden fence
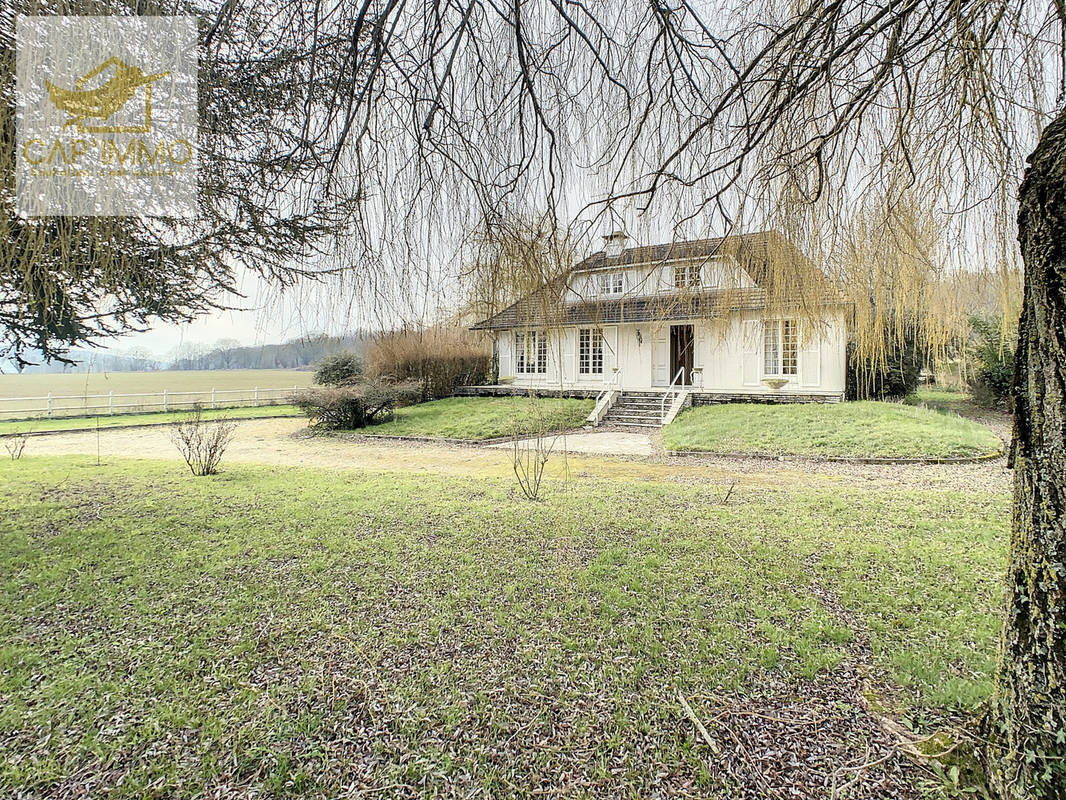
pixel 79 405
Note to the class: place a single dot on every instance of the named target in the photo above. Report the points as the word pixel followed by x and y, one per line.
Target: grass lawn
pixel 859 429
pixel 126 420
pixel 295 633
pixel 485 417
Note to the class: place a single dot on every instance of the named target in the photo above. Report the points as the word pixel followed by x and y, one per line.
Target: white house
pixel 732 318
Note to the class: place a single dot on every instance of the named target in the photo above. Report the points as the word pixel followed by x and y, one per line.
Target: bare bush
pixel 357 405
pixel 530 455
pixel 15 444
pixel 202 443
pixel 440 359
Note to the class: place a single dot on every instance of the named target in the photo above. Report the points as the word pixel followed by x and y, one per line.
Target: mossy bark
pixel 1026 755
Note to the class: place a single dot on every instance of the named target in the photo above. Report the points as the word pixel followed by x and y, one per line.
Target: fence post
pixel 256 395
pixel 49 404
pixel 164 400
pixel 111 403
pixel 212 397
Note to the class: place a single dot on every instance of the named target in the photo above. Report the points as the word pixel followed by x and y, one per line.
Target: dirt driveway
pixel 285 442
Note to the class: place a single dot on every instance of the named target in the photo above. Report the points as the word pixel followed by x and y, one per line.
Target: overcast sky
pixel 265 315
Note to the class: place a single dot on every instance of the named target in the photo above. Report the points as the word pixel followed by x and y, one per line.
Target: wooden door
pixel 681 353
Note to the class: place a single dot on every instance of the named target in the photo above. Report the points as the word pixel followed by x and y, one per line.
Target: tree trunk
pixel 1026 756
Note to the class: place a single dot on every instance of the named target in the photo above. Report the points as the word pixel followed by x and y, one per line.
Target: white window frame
pixel 693 275
pixel 612 283
pixel 531 352
pixel 590 347
pixel 780 348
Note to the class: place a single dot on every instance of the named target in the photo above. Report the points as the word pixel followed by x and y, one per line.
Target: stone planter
pixel 775 384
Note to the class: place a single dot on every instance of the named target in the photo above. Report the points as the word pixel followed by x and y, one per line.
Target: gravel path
pixel 285 442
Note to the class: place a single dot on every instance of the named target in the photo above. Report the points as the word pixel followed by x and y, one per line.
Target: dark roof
pixel 751 247
pixel 753 251
pixel 626 309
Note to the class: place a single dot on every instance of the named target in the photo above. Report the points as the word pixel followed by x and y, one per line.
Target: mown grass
pixel 127 420
pixel 856 429
pixel 296 632
pixel 485 417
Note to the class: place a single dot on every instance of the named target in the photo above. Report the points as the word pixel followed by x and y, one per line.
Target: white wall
pixel 729 352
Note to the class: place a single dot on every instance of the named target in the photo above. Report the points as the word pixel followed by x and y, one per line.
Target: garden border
pixel 840 459
pixel 424 439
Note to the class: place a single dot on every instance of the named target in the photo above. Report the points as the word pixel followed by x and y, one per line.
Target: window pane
pixel 771 348
pixel 687 276
pixel 789 348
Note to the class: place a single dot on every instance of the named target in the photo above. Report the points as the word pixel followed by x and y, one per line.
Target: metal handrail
pixel 610 387
pixel 670 390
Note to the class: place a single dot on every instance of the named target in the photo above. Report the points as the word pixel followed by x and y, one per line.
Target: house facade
pixel 739 315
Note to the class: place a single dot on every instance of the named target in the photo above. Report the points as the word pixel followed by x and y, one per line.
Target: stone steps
pixel 636 410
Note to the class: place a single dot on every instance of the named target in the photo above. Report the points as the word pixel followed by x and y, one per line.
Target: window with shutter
pixel 780 347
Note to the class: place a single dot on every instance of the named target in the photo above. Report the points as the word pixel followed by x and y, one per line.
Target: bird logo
pixel 102 102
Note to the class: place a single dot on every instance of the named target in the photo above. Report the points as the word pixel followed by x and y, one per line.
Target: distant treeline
pixel 293 354
pixel 224 354
pixel 89 361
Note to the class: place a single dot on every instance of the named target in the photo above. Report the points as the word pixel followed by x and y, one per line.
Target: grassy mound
pixel 863 430
pixel 485 417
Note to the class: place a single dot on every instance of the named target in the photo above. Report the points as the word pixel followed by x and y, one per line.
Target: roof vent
pixel 614 243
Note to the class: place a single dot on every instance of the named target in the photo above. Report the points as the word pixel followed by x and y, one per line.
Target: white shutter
pixel 660 349
pixel 506 346
pixel 810 359
pixel 699 357
pixel 751 351
pixel 610 351
pixel 569 355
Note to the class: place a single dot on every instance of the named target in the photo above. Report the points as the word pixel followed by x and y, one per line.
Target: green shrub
pixel 339 369
pixel 441 359
pixel 356 405
pixel 992 354
pixel 893 378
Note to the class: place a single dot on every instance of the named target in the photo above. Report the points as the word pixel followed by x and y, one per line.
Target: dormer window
pixel 612 283
pixel 687 276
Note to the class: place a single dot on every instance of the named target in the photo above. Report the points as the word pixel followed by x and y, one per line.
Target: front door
pixel 681 347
